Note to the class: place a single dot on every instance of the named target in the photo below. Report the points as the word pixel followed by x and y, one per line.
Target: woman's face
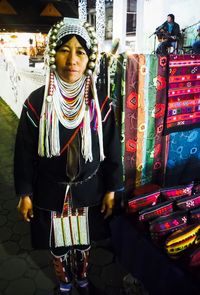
pixel 71 61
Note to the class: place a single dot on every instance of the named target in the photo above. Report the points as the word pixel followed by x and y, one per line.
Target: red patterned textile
pixel 131 107
pixel 145 105
pixel 137 203
pixel 183 93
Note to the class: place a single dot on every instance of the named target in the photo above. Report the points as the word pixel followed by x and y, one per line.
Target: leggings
pixel 70 266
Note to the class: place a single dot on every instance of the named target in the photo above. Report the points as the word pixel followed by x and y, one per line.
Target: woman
pixel 67 156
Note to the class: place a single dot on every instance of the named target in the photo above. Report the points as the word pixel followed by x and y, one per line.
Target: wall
pixel 18 80
pixel 152 13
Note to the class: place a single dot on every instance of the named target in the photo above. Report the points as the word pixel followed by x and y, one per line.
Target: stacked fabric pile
pixel 172 217
pixel 157 101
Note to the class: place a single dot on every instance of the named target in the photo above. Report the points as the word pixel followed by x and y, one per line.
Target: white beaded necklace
pixel 69 102
pixel 70 90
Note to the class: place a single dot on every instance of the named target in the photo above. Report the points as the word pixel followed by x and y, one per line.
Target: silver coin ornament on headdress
pixel 70 26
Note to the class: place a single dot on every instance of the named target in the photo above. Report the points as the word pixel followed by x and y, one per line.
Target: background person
pixel 170 32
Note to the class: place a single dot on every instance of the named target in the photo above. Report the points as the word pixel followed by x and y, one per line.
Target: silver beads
pixel 53 37
pixel 52 52
pixel 94 48
pixel 88 72
pixel 91 65
pixel 94 41
pixel 52 45
pixel 55 31
pixel 53 67
pixel 52 60
pixel 92 57
pixel 49 98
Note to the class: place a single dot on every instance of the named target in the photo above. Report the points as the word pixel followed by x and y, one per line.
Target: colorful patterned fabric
pixel 183 163
pixel 174 193
pixel 118 86
pixel 144 117
pixel 162 209
pixel 183 111
pixel 164 225
pixel 72 264
pixel 138 203
pixel 131 111
pixel 179 241
pixel 189 202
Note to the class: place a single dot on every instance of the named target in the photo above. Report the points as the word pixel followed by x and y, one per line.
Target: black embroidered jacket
pixel 45 179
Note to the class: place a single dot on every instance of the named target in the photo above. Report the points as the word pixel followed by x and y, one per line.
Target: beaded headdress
pixel 70 26
pixel 56 107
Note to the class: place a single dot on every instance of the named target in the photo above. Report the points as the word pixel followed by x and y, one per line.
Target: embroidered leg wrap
pixel 62 268
pixel 81 264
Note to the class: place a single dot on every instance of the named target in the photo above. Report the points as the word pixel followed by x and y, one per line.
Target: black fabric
pixel 73 158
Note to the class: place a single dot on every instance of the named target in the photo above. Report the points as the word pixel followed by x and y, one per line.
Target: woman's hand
pixel 108 203
pixel 25 208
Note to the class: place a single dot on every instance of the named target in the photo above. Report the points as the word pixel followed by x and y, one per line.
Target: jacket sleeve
pixel 177 32
pixel 112 164
pixel 26 150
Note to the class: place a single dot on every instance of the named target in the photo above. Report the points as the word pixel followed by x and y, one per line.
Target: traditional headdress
pixel 65 102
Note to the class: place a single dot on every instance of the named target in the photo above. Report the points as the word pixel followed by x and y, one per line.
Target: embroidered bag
pixel 182 239
pixel 145 200
pixel 164 225
pixel 189 202
pixel 161 209
pixel 174 193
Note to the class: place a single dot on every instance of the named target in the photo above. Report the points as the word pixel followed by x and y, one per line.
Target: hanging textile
pixel 131 106
pixel 183 163
pixel 183 110
pixel 160 144
pixel 118 83
pixel 144 116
